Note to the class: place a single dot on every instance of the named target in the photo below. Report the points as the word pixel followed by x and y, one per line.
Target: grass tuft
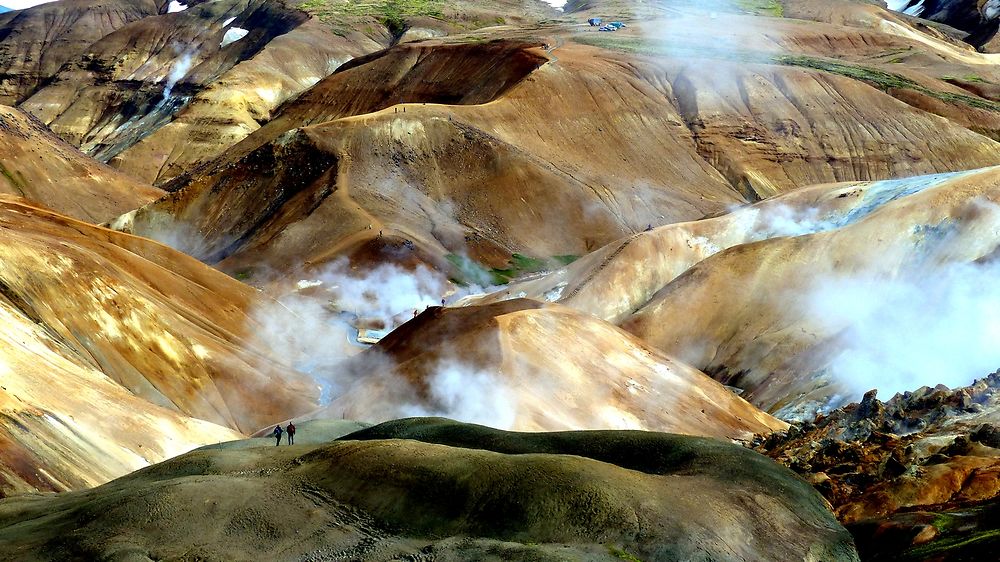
pixel 771 8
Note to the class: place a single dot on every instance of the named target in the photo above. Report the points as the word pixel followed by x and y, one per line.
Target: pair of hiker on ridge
pixel 290 430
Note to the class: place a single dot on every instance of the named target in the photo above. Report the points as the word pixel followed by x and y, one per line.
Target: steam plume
pixel 934 322
pixel 178 71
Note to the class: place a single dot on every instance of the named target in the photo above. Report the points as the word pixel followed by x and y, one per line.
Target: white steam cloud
pixel 178 70
pixel 387 294
pixel 314 327
pixel 467 395
pixel 314 330
pixel 312 334
pixel 936 321
pixel 785 220
pixel 306 335
pixel 924 328
pixel 167 230
pixel 680 32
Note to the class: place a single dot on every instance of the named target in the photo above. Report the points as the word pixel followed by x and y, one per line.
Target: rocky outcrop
pixel 979 18
pixel 933 449
pixel 968 533
pixel 915 477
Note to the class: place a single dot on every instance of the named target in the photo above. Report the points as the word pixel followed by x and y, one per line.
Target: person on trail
pixel 290 430
pixel 277 435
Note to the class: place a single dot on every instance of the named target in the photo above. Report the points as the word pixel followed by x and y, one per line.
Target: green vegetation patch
pixel 974 78
pixel 883 80
pixel 391 13
pixel 878 78
pixel 622 554
pixel 469 272
pixel 978 540
pixel 771 8
pixel 15 178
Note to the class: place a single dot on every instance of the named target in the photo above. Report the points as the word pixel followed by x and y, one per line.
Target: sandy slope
pixel 750 313
pixel 37 165
pixel 153 319
pixel 560 139
pixel 525 366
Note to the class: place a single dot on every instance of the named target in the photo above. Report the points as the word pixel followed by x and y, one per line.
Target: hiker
pixel 277 435
pixel 291 433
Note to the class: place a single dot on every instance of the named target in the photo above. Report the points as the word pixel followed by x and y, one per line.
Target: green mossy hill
pixel 388 492
pixel 643 451
pixel 314 432
pixel 716 464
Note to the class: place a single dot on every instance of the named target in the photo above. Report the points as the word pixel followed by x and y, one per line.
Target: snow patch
pixel 907 7
pixel 233 35
pixel 555 293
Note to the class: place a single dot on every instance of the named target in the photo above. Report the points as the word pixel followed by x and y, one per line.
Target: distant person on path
pixel 277 435
pixel 291 433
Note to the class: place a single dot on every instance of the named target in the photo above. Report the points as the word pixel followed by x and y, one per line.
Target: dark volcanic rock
pixel 882 438
pixel 979 18
pixel 925 450
pixel 987 434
